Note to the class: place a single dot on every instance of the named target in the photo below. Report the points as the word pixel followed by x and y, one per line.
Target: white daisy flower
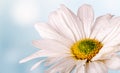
pixel 77 43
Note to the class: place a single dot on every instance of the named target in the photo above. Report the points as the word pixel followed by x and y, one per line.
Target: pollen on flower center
pixel 86 49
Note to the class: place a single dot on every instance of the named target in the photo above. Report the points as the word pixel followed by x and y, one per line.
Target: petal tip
pixel 21 61
pixel 36 25
pixel 86 5
pixel 62 5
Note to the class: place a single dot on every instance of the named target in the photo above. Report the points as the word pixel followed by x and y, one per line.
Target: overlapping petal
pixel 80 67
pixel 65 65
pixel 101 24
pixel 86 15
pixel 48 32
pixel 96 67
pixel 113 62
pixel 67 23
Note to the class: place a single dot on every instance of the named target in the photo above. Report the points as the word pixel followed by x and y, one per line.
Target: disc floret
pixel 86 49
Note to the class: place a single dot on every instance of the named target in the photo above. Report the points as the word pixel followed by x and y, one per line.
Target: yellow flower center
pixel 86 49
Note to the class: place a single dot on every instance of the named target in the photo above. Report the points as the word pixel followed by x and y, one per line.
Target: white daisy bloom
pixel 78 43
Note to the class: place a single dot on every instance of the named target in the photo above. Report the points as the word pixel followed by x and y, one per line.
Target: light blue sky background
pixel 17 18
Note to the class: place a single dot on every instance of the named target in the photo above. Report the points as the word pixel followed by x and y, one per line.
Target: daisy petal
pixel 101 27
pixel 80 67
pixel 86 15
pixel 113 63
pixel 37 64
pixel 104 53
pixel 96 67
pixel 52 60
pixel 73 23
pixel 64 18
pixel 58 21
pixel 49 50
pixel 48 32
pixel 69 68
pixel 117 48
pixel 41 53
pixel 63 66
pixel 113 38
pixel 52 45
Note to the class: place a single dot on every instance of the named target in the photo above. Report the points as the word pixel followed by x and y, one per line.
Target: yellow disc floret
pixel 86 49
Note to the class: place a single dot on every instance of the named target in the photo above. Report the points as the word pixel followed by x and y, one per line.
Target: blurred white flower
pixel 78 42
pixel 25 11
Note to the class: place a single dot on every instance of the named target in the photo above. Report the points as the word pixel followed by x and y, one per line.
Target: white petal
pixel 96 67
pixel 51 45
pixel 51 60
pixel 66 22
pixel 113 63
pixel 69 68
pixel 63 29
pixel 48 32
pixel 53 48
pixel 114 35
pixel 72 21
pixel 80 67
pixel 86 15
pixel 41 53
pixel 62 65
pixel 45 31
pixel 101 27
pixel 117 48
pixel 37 64
pixel 104 53
pixel 115 21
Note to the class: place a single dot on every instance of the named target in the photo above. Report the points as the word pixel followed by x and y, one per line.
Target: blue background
pixel 17 19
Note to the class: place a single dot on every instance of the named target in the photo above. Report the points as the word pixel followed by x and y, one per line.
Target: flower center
pixel 86 49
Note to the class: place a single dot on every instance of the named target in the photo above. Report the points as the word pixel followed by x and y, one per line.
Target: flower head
pixel 78 43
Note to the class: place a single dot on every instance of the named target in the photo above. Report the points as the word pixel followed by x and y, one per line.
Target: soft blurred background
pixel 17 19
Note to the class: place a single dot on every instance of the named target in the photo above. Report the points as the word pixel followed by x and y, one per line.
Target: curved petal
pixel 66 22
pixel 114 36
pixel 117 48
pixel 104 53
pixel 86 15
pixel 51 45
pixel 113 63
pixel 53 49
pixel 53 68
pixel 41 53
pixel 106 29
pixel 80 67
pixel 65 66
pixel 37 64
pixel 48 32
pixel 51 60
pixel 96 67
pixel 101 27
